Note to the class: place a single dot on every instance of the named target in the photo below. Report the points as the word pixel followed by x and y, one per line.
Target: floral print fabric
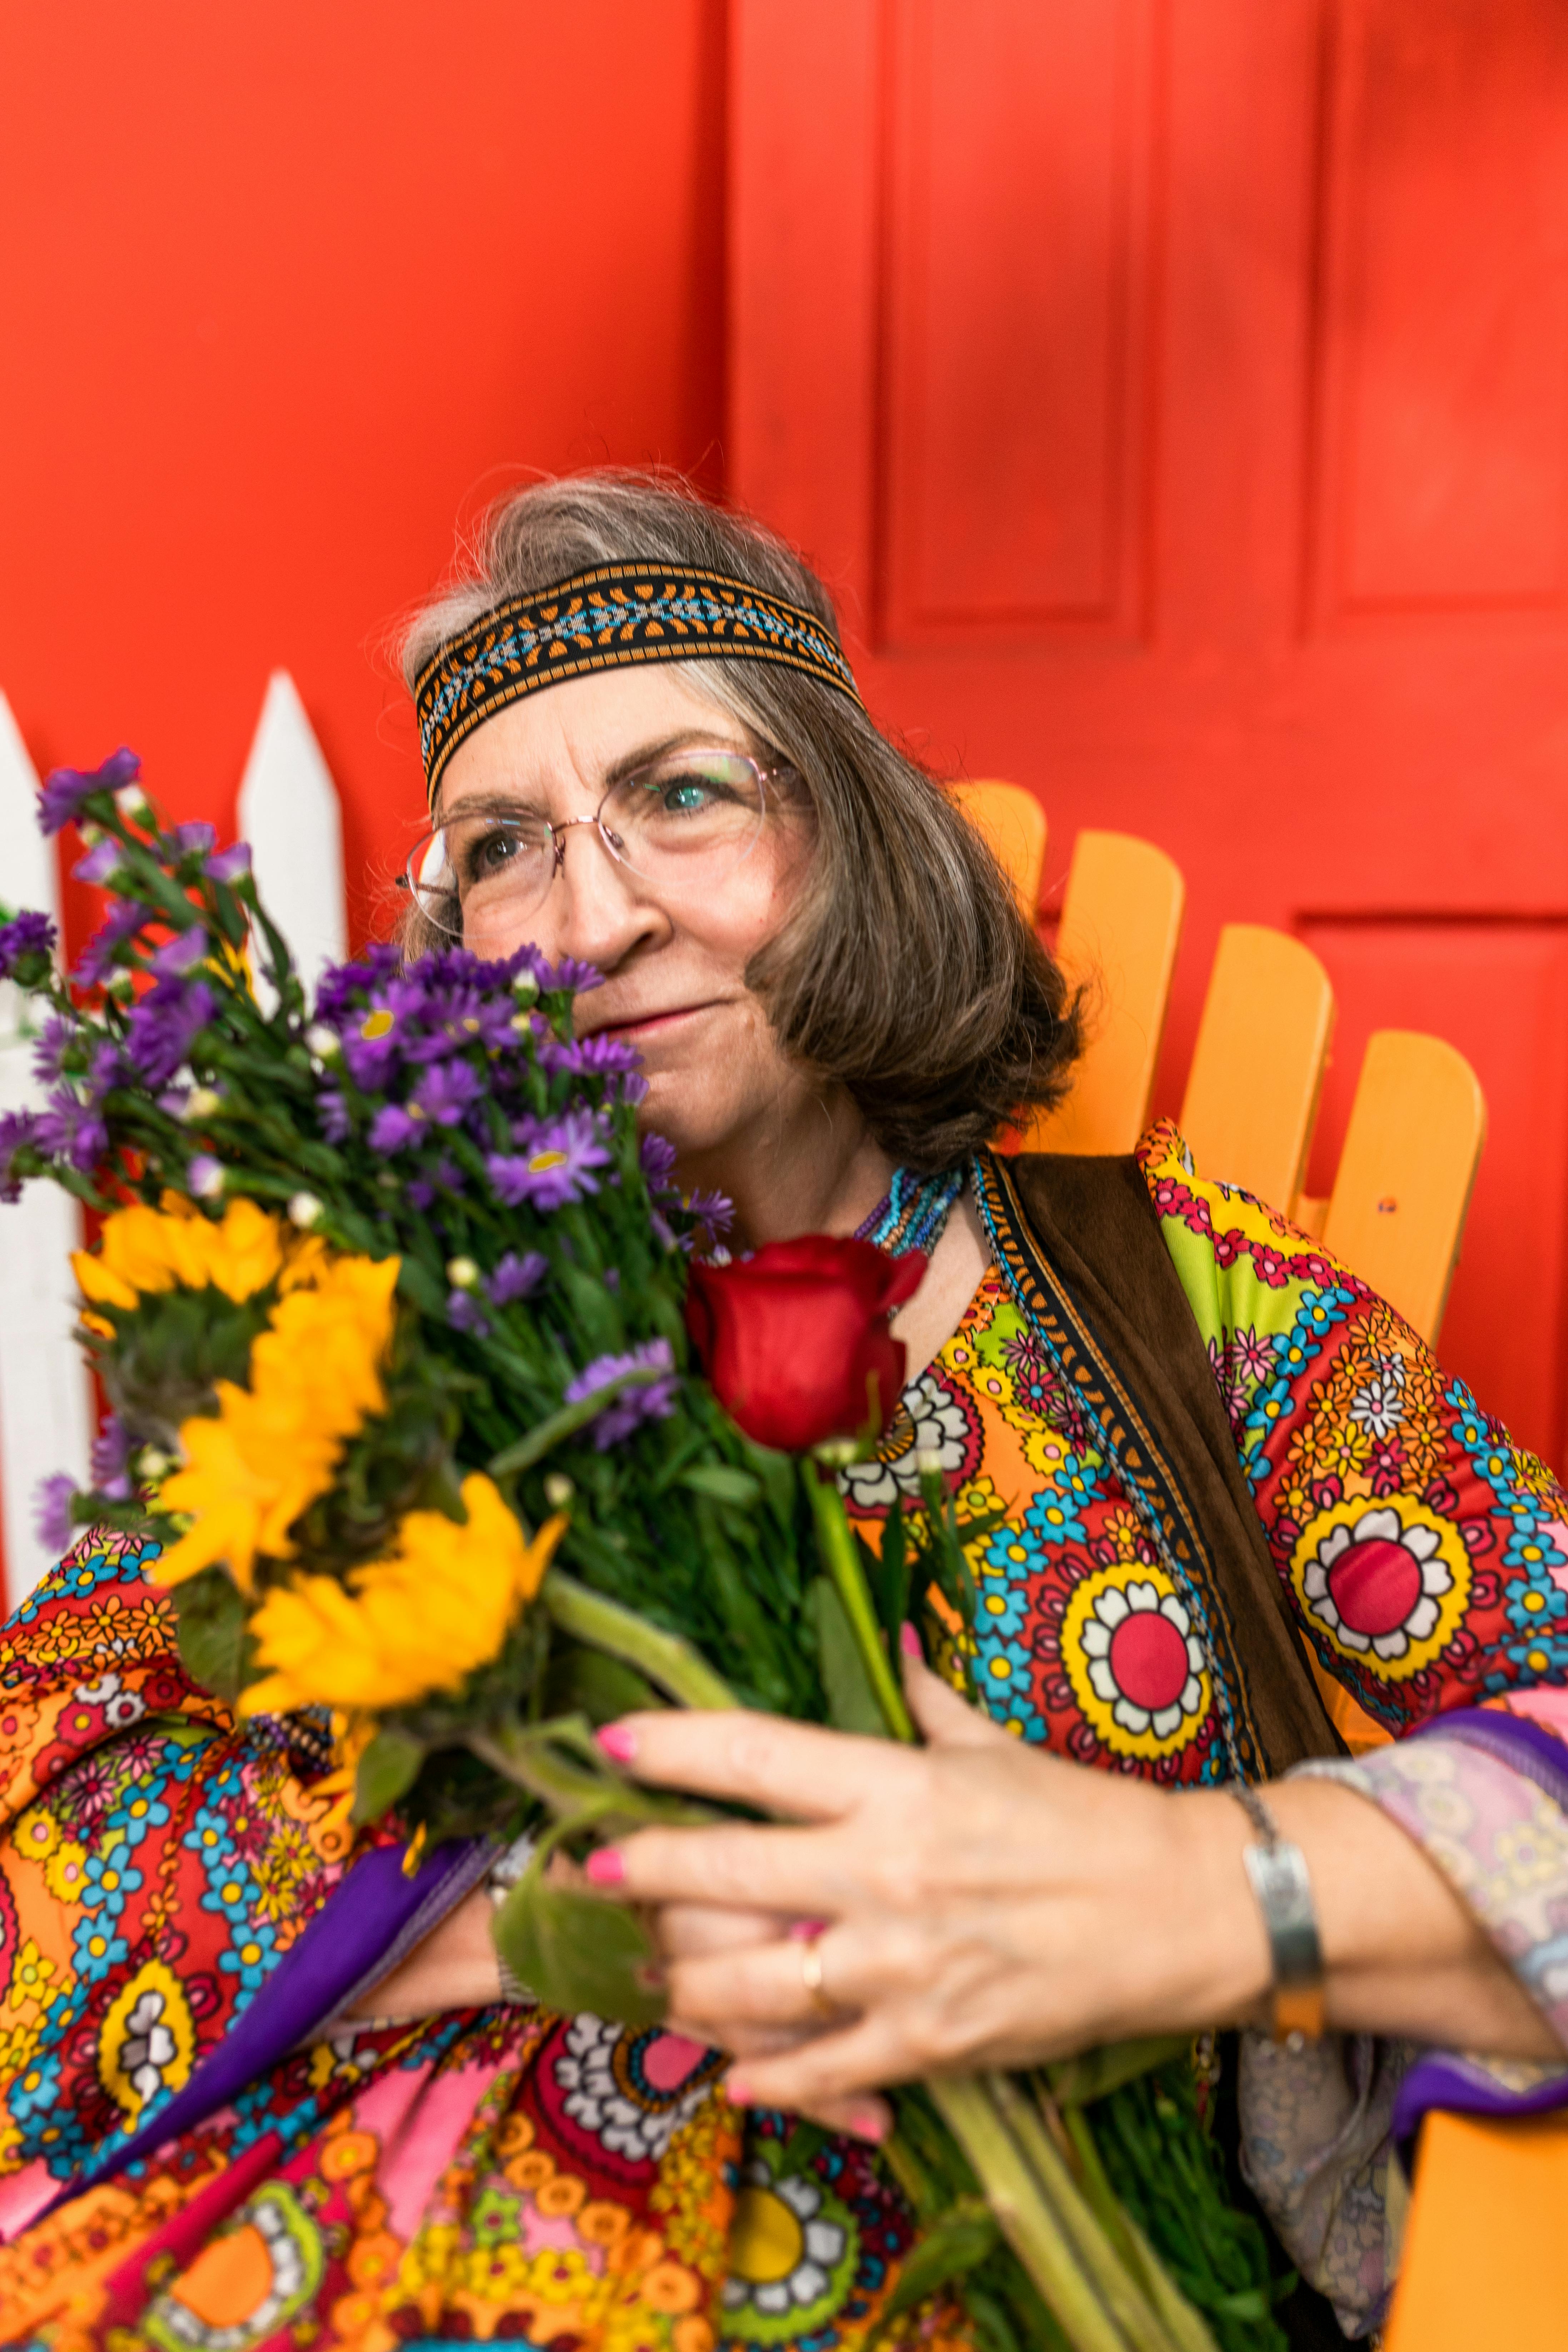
pixel 560 2181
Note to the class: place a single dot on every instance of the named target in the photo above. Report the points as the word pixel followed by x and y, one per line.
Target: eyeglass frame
pixel 405 880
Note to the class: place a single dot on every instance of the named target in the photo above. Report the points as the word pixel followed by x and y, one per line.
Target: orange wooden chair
pixel 1013 823
pixel 1257 1075
pixel 1122 922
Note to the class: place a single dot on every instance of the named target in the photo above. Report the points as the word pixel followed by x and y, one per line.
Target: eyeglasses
pixel 683 824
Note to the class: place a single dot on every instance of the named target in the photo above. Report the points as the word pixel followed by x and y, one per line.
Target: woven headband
pixel 607 619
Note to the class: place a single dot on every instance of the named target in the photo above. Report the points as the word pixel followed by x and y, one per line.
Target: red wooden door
pixel 1176 394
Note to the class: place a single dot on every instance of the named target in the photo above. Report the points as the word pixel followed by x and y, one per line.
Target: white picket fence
pixel 290 814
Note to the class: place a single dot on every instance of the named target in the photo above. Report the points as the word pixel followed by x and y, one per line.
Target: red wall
pixel 287 288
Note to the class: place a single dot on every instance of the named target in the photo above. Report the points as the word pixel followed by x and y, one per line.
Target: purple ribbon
pixel 371 1921
pixel 1442 2079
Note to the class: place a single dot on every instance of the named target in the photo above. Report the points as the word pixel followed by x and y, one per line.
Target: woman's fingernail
pixel 910 1641
pixel 604 1866
pixel 869 2123
pixel 618 1741
pixel 806 1931
pixel 737 2089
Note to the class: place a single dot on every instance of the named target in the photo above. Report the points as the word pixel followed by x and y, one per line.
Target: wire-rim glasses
pixel 684 823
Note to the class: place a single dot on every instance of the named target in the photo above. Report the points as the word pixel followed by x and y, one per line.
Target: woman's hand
pixel 983 1904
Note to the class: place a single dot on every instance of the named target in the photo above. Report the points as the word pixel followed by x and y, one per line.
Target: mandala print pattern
pixel 562 2181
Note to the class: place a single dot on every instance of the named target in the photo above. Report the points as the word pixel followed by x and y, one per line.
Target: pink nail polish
pixel 604 1867
pixel 910 1641
pixel 869 2123
pixel 618 1741
pixel 806 1931
pixel 737 2090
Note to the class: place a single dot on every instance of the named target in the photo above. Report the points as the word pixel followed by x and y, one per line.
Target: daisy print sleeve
pixel 1427 1554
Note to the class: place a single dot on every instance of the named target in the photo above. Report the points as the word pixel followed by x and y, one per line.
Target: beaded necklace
pixel 912 1214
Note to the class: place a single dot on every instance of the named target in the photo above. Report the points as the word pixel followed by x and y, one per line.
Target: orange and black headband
pixel 607 619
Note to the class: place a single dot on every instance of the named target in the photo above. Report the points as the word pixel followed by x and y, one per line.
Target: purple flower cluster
pixel 111 1460
pixel 64 791
pixel 650 1401
pixel 27 938
pixel 124 919
pixel 555 1161
pixel 18 1130
pixel 165 1023
pixel 53 1519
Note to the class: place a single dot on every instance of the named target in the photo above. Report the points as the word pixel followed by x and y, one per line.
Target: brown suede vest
pixel 1079 1243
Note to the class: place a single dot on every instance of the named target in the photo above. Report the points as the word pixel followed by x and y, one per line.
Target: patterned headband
pixel 607 619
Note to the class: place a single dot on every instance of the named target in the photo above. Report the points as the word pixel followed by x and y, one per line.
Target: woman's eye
pixel 487 855
pixel 684 796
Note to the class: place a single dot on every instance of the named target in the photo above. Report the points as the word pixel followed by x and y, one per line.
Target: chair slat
pixel 1485 2256
pixel 1013 823
pixel 1396 1214
pixel 1122 924
pixel 1252 1094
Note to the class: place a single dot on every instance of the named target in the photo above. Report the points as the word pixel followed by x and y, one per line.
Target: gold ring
pixel 811 1977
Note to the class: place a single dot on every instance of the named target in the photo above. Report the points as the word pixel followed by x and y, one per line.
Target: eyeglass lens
pixel 682 824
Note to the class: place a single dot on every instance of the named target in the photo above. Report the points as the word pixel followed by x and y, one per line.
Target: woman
pixel 1217 1474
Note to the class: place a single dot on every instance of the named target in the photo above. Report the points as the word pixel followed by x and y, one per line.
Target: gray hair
pixel 906 973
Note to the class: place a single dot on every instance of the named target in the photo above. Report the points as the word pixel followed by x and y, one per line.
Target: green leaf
pixel 724 1484
pixel 588 1682
pixel 962 2237
pixel 578 1952
pixel 212 1640
pixel 852 1703
pixel 1095 2074
pixel 887 1574
pixel 387 1771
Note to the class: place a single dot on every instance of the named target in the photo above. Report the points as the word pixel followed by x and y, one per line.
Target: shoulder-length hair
pixel 905 973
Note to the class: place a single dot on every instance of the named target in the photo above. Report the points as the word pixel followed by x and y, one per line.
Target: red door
pixel 1176 394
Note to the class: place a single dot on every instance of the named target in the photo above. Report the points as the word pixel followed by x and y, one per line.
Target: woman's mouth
pixel 641 1028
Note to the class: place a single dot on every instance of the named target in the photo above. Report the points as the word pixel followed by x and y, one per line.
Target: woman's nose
pixel 597 907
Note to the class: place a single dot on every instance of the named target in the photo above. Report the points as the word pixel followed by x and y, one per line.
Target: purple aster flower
pixel 630 1088
pixel 107 1069
pixel 572 973
pixel 192 840
pixel 657 1154
pixel 463 1314
pixel 101 862
pixel 341 982
pixel 516 1278
pixel 27 935
pixel 125 918
pixel 165 1024
pixel 56 1040
pixel 336 1124
pixel 662 1231
pixel 53 1518
pixel 557 1163
pixel 393 1129
pixel 714 1210
pixel 204 1176
pixel 651 1400
pixel 71 1130
pixel 182 954
pixel 445 1091
pixel 372 1043
pixel 230 863
pixel 18 1130
pixel 111 1460
pixel 449 1175
pixel 64 791
pixel 420 1195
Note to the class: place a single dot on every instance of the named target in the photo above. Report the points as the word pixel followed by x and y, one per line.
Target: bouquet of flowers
pixel 453 1424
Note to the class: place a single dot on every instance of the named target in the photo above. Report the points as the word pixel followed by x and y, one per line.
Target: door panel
pixel 1176 396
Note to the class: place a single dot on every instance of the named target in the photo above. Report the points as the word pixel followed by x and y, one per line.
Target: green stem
pixel 663 1657
pixel 570 1418
pixel 1114 2273
pixel 835 1541
pixel 970 2111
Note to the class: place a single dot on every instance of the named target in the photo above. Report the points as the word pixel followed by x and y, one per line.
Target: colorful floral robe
pixel 562 2182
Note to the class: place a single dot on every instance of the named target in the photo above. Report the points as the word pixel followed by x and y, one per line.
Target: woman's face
pixel 674 960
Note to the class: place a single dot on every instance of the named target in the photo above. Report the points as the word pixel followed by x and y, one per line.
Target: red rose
pixel 795 1339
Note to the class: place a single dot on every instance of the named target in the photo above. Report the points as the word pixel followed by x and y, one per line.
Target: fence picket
pixel 288 812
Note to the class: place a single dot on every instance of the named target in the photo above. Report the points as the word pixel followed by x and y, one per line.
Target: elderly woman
pixel 1230 1503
